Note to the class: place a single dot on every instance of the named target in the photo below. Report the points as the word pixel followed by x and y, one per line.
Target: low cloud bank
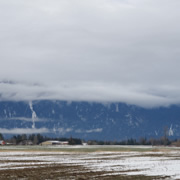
pixel 23 131
pixel 98 130
pixel 93 92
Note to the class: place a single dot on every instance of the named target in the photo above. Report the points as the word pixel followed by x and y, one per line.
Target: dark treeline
pixel 35 139
pixel 131 141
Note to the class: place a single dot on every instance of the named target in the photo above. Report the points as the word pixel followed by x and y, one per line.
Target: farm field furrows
pixel 91 163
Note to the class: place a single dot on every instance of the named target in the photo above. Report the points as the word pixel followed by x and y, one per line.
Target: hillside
pixel 115 121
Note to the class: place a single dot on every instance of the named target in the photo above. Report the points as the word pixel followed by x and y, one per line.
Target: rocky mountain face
pixel 115 121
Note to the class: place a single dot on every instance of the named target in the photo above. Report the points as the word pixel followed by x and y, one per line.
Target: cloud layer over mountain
pixel 105 50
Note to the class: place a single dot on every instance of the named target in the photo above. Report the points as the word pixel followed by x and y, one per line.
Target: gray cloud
pixel 25 119
pixel 98 130
pixel 23 130
pixel 106 50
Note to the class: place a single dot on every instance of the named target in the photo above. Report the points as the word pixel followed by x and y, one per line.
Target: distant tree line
pixel 163 141
pixel 1 137
pixel 35 139
pixel 131 141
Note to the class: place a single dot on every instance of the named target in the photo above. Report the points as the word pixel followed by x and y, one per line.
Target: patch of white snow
pixel 34 116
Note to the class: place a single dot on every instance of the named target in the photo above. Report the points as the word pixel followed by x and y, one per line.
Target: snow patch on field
pixel 128 163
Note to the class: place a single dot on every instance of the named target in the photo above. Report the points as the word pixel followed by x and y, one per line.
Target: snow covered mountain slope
pixel 115 121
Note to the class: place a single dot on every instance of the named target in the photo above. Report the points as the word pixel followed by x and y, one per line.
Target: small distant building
pixel 46 143
pixel 2 142
pixel 84 144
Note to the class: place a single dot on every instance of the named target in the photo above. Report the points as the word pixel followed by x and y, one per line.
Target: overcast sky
pixel 95 50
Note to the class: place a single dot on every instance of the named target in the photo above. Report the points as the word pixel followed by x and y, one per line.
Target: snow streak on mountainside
pixel 115 121
pixel 34 116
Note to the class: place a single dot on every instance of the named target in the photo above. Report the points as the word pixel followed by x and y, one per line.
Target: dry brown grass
pixel 61 172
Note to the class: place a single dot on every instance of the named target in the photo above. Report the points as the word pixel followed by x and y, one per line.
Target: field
pixel 89 162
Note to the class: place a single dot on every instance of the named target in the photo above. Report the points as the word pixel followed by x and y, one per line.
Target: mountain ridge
pixel 111 121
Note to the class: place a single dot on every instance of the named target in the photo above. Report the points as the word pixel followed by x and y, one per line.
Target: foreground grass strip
pixel 81 149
